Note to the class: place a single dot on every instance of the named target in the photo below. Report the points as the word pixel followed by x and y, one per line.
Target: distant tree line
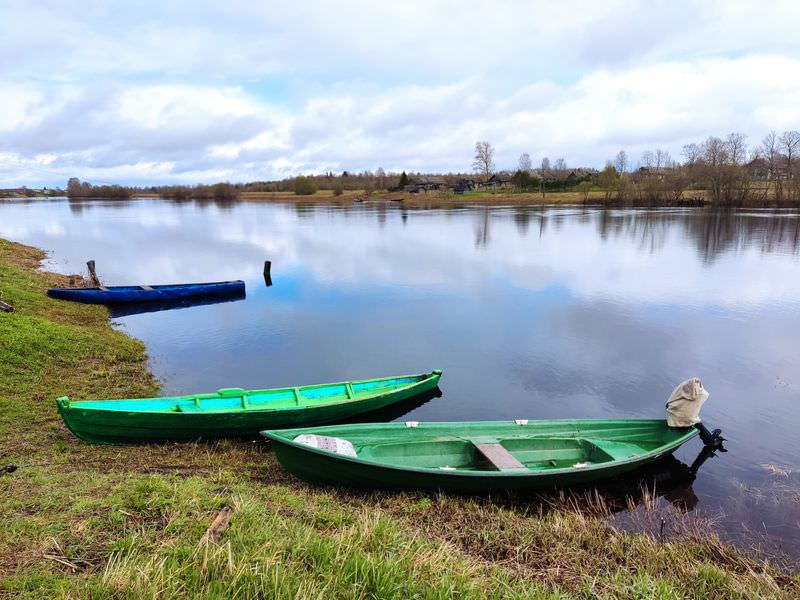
pixel 366 181
pixel 83 189
pixel 219 192
pixel 719 170
pixel 723 171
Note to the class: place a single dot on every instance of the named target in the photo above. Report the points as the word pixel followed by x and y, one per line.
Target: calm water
pixel 531 313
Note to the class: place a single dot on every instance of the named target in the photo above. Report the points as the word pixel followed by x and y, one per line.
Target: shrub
pixel 305 186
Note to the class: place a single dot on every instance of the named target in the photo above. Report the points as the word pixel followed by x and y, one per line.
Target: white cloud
pixel 259 91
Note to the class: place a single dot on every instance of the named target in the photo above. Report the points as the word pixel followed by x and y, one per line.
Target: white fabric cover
pixel 324 442
pixel 683 406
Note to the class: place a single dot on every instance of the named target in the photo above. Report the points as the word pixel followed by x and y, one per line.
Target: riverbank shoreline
pixel 122 521
pixel 594 199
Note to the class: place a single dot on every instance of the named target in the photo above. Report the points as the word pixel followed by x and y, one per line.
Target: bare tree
pixel 648 160
pixel 790 144
pixel 584 187
pixel 560 165
pixel 607 180
pixel 380 179
pixel 621 162
pixel 727 180
pixel 715 156
pixel 484 159
pixel 737 148
pixel 543 175
pixel 662 159
pixel 692 153
pixel 525 162
pixel 770 152
pixel 545 164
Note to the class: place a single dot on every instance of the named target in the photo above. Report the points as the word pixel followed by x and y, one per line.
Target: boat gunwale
pixel 67 404
pixel 275 436
pixel 157 286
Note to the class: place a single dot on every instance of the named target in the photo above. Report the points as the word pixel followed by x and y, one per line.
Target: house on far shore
pixel 425 183
pixel 651 173
pixel 571 176
pixel 759 169
pixel 462 186
pixel 498 181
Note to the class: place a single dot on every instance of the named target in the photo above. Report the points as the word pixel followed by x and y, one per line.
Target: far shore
pixel 420 200
pixel 437 199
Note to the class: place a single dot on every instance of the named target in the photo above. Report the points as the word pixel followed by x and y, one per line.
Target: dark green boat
pixel 233 411
pixel 474 457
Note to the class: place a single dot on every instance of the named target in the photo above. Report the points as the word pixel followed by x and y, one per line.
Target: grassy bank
pixel 423 200
pixel 503 198
pixel 84 521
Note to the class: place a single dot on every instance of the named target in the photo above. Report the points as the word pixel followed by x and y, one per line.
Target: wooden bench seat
pixel 501 458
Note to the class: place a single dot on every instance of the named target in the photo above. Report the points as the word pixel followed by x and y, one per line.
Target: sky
pixel 198 92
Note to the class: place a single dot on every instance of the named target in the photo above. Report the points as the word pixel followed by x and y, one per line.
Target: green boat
pixel 473 457
pixel 234 411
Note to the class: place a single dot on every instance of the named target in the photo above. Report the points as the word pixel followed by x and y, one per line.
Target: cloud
pixel 252 92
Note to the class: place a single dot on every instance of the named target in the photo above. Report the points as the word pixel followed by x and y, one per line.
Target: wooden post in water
pixel 267 276
pixel 92 275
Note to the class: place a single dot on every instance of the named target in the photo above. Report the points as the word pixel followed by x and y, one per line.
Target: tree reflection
pixel 482 228
pixel 713 231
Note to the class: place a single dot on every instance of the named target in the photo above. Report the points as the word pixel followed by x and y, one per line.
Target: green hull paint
pixel 443 456
pixel 234 412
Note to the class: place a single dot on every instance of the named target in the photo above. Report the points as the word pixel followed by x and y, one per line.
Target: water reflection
pixel 532 312
pixel 127 309
pixel 714 232
pixel 669 478
pixel 79 205
pixel 396 411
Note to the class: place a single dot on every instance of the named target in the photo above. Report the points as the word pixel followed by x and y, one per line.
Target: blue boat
pixel 147 293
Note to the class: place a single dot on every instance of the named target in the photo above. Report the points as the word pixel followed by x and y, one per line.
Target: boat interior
pixel 229 399
pixel 519 453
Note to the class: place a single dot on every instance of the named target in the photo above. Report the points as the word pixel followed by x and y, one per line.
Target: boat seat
pixel 146 287
pixel 618 450
pixel 501 458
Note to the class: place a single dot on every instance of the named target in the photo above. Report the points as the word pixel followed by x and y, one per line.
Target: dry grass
pixel 321 196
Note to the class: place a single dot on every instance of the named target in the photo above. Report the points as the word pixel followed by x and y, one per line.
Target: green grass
pixel 82 521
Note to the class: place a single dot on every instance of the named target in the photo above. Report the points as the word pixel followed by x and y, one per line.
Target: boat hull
pixel 319 466
pixel 156 293
pixel 136 421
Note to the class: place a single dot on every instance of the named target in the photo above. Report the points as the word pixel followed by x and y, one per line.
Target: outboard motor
pixel 683 410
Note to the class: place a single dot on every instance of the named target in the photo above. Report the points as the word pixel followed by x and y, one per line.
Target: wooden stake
pixel 267 275
pixel 5 307
pixel 220 524
pixel 92 275
pixel 61 559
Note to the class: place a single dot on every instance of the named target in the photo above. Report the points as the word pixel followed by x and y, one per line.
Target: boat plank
pixel 501 458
